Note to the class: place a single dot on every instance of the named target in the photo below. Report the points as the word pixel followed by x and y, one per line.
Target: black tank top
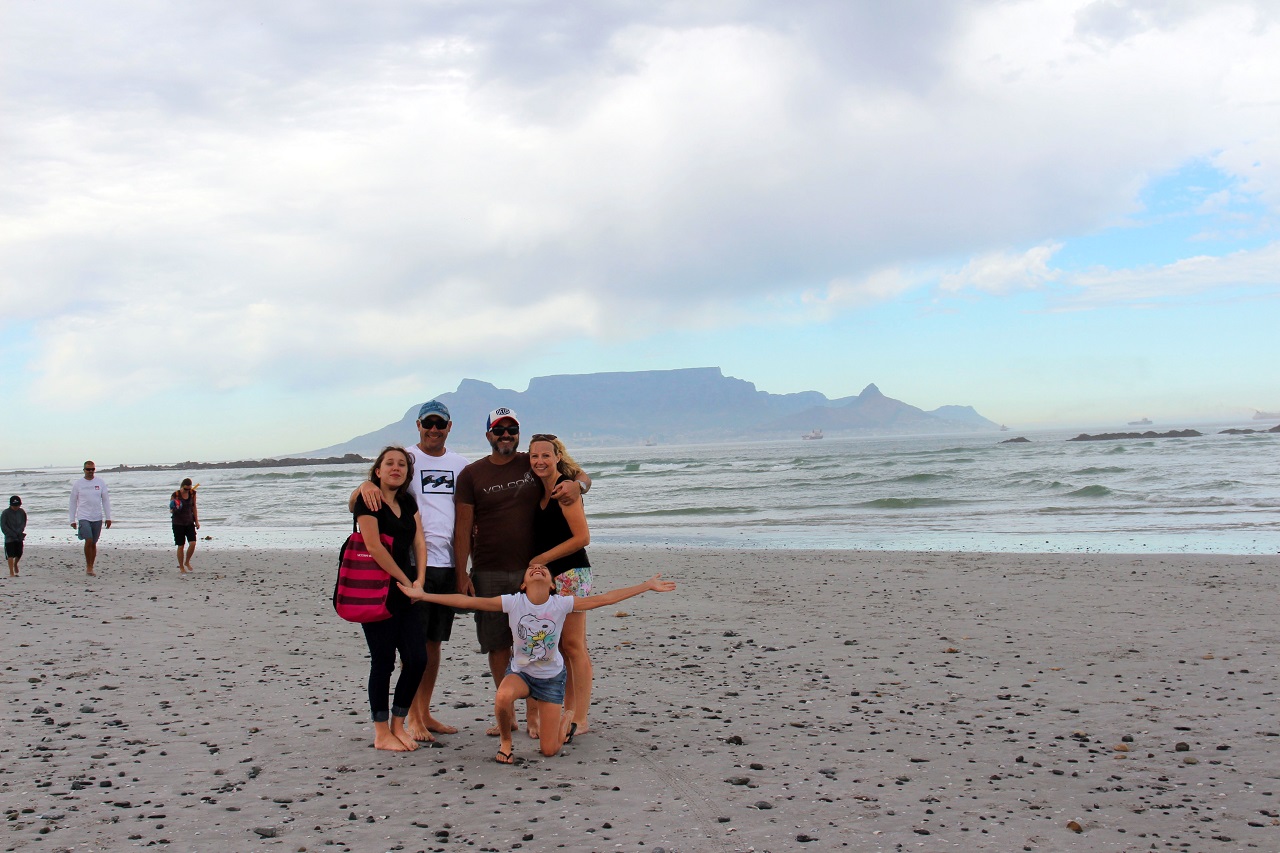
pixel 550 529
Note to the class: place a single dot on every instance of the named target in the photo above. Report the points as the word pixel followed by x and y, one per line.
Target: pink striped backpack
pixel 360 595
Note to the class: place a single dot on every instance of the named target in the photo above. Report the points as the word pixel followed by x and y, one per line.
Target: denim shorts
pixel 88 529
pixel 544 689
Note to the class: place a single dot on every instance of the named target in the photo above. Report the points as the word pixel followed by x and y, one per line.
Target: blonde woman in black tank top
pixel 561 537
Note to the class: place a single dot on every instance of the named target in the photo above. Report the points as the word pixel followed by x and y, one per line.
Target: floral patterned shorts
pixel 575 582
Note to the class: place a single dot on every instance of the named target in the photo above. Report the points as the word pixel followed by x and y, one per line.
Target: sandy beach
pixel 779 700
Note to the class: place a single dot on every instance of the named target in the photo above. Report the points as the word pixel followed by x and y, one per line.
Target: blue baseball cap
pixel 434 407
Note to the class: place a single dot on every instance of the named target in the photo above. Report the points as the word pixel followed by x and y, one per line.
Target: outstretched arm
pixel 453 599
pixel 604 599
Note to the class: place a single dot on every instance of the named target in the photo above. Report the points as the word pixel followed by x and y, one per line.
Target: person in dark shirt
pixel 13 521
pixel 397 518
pixel 186 521
pixel 494 501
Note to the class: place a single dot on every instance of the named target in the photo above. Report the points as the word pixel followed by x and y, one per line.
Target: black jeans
pixel 404 633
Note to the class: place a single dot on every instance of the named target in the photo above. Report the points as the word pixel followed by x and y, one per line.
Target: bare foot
pixel 90 573
pixel 398 730
pixel 531 726
pixel 582 728
pixel 493 731
pixel 418 731
pixel 384 739
pixel 434 725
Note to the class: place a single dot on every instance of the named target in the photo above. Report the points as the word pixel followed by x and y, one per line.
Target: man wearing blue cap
pixel 435 472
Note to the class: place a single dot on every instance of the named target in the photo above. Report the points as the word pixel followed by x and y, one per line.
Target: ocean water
pixel 1212 494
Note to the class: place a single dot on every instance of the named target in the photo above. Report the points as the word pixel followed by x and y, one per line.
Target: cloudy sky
pixel 238 228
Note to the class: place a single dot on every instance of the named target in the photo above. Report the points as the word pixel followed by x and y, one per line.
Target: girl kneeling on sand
pixel 398 518
pixel 537 669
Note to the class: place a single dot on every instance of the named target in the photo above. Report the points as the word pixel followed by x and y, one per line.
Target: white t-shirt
pixel 432 487
pixel 89 500
pixel 536 629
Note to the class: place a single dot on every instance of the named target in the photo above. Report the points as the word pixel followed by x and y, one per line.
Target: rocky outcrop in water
pixel 1275 428
pixel 288 462
pixel 1117 436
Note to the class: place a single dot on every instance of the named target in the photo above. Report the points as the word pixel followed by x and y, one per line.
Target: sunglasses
pixel 542 436
pixel 504 430
pixel 434 423
pixel 91 469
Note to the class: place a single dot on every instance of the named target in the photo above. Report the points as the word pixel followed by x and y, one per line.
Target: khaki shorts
pixel 492 629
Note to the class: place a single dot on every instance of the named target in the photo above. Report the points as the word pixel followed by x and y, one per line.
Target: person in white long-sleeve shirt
pixel 90 508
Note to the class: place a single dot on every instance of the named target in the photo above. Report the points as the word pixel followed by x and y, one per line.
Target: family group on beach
pixel 518 518
pixel 424 513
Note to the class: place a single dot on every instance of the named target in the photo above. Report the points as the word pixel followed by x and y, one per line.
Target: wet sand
pixel 776 701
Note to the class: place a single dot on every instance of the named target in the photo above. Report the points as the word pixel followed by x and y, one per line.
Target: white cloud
pixel 284 185
pixel 1004 272
pixel 876 287
pixel 1239 272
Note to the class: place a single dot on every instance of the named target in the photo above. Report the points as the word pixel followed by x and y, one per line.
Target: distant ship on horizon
pixel 1265 416
pixel 1143 422
pixel 812 435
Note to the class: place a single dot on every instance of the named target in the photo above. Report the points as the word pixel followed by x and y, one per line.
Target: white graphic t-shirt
pixel 536 629
pixel 432 486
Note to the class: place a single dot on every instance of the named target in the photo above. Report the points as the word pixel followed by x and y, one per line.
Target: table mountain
pixel 688 405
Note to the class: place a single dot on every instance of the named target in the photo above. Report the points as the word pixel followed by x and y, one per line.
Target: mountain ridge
pixel 685 405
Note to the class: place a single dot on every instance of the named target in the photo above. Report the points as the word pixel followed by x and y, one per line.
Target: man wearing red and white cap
pixel 496 497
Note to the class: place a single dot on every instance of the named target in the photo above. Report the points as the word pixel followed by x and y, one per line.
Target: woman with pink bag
pixel 403 633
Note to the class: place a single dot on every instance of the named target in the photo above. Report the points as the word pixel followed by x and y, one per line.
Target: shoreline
pixel 124 535
pixel 875 700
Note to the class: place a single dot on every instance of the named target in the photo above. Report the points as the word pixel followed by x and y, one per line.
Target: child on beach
pixel 14 523
pixel 537 668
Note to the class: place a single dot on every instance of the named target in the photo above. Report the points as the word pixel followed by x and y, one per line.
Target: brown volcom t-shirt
pixel 505 498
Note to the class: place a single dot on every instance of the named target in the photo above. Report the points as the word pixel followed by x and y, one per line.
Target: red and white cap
pixel 499 414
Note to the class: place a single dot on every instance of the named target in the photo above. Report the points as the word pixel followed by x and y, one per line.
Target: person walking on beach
pixel 398 518
pixel 436 471
pixel 13 522
pixel 494 506
pixel 90 508
pixel 536 670
pixel 186 521
pixel 561 536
